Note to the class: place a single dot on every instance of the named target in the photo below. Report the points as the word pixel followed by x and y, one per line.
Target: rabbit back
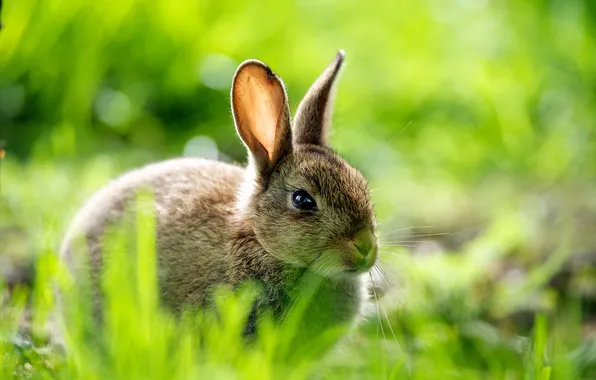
pixel 194 203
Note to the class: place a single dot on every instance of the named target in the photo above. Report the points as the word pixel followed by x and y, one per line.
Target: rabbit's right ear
pixel 261 114
pixel 313 116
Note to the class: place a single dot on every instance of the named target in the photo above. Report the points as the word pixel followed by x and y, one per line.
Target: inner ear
pixel 261 112
pixel 263 102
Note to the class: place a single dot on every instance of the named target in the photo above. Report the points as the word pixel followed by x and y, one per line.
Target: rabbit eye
pixel 303 201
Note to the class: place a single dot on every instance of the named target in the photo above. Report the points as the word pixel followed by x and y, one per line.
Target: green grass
pixel 442 317
pixel 472 120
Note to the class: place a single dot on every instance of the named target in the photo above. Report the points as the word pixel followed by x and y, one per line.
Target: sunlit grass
pixel 472 120
pixel 433 322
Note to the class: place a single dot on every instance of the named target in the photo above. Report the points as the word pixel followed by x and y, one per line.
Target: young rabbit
pixel 297 209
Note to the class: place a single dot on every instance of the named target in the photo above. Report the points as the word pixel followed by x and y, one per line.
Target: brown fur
pixel 223 224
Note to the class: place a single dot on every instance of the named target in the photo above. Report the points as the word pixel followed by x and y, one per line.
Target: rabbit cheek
pixel 281 238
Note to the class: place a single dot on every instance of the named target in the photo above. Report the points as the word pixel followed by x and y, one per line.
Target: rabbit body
pixel 216 248
pixel 297 210
pixel 194 201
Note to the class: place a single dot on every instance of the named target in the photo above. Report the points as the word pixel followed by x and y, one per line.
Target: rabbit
pixel 296 209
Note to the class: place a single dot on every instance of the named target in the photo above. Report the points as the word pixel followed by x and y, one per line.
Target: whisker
pixel 389 323
pixel 381 224
pixel 395 252
pixel 403 241
pixel 377 306
pixel 400 245
pixel 395 135
pixel 328 266
pixel 411 228
pixel 402 232
pixel 433 234
pixel 378 269
pixel 375 297
pixel 325 265
pixel 391 237
pixel 382 274
pixel 383 309
pixel 393 248
pixel 289 312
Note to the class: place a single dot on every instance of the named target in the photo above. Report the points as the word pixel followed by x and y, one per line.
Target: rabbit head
pixel 306 205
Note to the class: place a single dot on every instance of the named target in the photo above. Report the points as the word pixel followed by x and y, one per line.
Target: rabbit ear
pixel 261 114
pixel 312 120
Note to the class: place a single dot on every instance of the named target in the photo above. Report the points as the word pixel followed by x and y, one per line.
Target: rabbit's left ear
pixel 313 117
pixel 261 114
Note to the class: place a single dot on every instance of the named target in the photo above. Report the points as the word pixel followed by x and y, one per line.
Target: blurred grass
pixel 141 341
pixel 473 117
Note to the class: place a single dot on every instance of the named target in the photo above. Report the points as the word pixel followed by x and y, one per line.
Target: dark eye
pixel 303 201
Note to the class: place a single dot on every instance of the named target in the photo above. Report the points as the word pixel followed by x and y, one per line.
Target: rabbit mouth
pixel 342 263
pixel 354 271
pixel 361 267
pixel 347 258
pixel 362 252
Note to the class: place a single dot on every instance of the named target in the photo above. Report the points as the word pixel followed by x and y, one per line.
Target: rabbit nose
pixel 365 242
pixel 364 249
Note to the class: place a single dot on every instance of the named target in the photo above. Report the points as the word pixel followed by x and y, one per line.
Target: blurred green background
pixel 474 121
